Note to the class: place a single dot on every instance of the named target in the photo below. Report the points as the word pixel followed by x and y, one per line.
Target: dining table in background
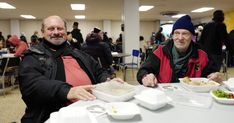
pixel 119 65
pixel 8 61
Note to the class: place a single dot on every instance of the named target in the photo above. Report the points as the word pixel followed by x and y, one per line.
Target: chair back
pixel 135 53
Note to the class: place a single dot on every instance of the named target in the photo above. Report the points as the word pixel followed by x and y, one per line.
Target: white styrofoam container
pixel 152 99
pixel 200 88
pixel 114 91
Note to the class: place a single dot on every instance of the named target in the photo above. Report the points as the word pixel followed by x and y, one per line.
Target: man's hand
pixel 81 93
pixel 217 77
pixel 149 80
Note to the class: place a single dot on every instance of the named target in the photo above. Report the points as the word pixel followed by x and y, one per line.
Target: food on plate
pixel 122 110
pixel 114 109
pixel 186 79
pixel 223 94
pixel 201 82
pixel 115 88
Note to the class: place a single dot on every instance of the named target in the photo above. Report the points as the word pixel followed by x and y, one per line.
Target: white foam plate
pixel 200 88
pixel 122 110
pixel 222 100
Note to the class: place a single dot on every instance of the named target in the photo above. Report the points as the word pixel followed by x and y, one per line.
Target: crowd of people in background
pixel 204 35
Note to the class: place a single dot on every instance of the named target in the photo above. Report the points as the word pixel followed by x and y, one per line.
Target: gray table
pixel 7 60
pixel 121 66
pixel 174 113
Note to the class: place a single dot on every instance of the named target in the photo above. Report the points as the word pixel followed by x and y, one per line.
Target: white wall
pixel 5 27
pixel 202 20
pixel 28 27
pixel 85 26
pixel 147 27
pixel 115 29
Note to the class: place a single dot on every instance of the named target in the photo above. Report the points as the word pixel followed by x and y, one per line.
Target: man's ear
pixel 42 30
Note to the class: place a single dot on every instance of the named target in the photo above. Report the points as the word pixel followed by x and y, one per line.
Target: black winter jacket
pixel 99 50
pixel 43 94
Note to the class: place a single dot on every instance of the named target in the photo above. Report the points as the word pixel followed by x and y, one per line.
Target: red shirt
pixel 75 75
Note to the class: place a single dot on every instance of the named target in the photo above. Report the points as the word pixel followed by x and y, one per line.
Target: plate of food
pixel 199 84
pixel 224 97
pixel 122 110
pixel 113 91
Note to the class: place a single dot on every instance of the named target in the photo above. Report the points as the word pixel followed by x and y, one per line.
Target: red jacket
pixel 20 45
pixel 160 63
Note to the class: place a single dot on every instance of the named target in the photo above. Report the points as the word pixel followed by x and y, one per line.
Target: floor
pixel 12 107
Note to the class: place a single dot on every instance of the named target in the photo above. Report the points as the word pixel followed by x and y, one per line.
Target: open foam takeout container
pixel 199 84
pixel 113 91
pixel 230 84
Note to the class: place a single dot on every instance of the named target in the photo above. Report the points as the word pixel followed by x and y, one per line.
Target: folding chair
pixel 131 65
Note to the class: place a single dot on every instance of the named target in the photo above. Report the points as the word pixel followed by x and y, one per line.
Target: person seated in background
pixel 1 45
pixel 20 46
pixel 99 50
pixel 24 39
pixel 180 57
pixel 52 75
pixel 119 44
pixel 159 37
pixel 2 39
pixel 34 38
pixel 112 45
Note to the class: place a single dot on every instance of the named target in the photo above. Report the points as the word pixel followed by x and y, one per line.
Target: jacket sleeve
pixel 22 47
pixel 36 87
pixel 210 68
pixel 151 65
pixel 100 74
pixel 93 68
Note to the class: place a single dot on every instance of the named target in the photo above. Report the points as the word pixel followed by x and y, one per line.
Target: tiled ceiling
pixel 110 9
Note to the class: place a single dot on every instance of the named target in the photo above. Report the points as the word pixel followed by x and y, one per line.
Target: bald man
pixel 53 75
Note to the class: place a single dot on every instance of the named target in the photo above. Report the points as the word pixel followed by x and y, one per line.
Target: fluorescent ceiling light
pixel 145 8
pixel 4 5
pixel 170 21
pixel 78 6
pixel 80 17
pixel 28 16
pixel 178 15
pixel 203 9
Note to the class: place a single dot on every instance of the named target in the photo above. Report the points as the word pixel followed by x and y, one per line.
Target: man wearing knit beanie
pixel 179 58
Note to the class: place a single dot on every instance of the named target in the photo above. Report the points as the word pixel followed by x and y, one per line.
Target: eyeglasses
pixel 183 34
